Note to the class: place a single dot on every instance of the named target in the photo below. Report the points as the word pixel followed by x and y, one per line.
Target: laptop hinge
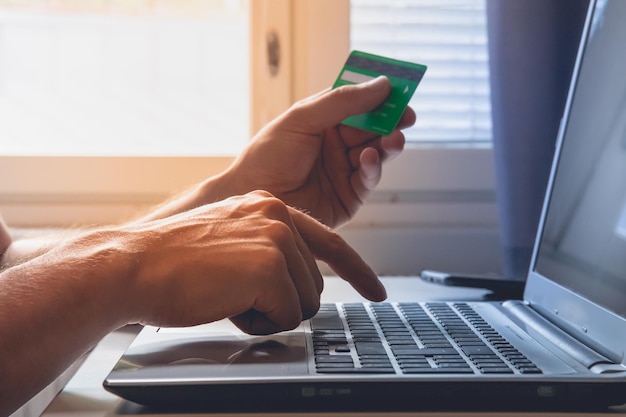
pixel 525 316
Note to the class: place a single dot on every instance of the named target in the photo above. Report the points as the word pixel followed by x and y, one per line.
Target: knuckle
pixel 273 261
pixel 267 205
pixel 261 194
pixel 335 248
pixel 311 309
pixel 320 286
pixel 335 242
pixel 292 321
pixel 299 114
pixel 273 208
pixel 278 233
pixel 299 107
pixel 348 93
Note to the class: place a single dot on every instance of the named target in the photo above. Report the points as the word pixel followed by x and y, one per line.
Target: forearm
pixel 54 308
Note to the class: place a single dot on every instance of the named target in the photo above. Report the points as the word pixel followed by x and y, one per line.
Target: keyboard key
pixel 531 370
pixel 326 359
pixel 370 348
pixel 458 370
pixel 478 350
pixel 326 321
pixel 388 370
pixel 502 370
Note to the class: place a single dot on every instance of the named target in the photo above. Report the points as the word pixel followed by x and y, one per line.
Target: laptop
pixel 561 346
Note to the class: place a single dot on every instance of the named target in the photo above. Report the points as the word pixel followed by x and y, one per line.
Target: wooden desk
pixel 84 396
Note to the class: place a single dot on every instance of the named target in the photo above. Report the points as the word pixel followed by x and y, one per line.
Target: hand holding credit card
pixel 403 76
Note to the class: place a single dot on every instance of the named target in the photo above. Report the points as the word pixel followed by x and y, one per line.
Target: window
pixel 436 198
pixel 110 106
pixel 450 37
pixel 117 78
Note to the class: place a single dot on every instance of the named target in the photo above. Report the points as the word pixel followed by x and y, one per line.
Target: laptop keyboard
pixel 411 338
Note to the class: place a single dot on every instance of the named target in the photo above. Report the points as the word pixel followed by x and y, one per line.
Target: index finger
pixel 328 246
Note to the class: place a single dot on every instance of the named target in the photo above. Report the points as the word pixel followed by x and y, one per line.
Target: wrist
pixel 97 267
pixel 218 187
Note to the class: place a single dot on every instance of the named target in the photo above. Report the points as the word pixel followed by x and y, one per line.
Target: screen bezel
pixel 589 322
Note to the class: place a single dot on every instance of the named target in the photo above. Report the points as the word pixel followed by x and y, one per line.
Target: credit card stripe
pixel 355 77
pixel 387 68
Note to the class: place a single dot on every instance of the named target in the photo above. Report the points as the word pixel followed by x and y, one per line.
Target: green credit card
pixel 403 76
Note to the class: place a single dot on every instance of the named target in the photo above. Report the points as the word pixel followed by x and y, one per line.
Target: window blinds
pixel 450 37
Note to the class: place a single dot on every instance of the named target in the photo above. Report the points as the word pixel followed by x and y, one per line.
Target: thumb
pixel 332 107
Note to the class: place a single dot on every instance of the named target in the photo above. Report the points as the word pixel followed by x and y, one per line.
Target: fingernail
pixel 379 82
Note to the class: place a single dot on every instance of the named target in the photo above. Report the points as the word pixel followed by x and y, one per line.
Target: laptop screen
pixel 583 237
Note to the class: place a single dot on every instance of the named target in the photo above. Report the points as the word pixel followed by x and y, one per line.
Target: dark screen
pixel 583 243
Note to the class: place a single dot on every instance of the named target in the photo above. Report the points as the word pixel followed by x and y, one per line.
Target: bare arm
pixel 249 258
pixel 53 308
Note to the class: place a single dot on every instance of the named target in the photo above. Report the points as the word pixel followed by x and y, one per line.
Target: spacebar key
pixel 356 371
pixel 460 370
pixel 427 352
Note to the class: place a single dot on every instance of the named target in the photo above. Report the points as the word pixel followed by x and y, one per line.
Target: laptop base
pixel 386 396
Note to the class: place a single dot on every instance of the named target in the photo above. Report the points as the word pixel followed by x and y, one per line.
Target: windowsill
pixel 60 191
pixel 68 191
